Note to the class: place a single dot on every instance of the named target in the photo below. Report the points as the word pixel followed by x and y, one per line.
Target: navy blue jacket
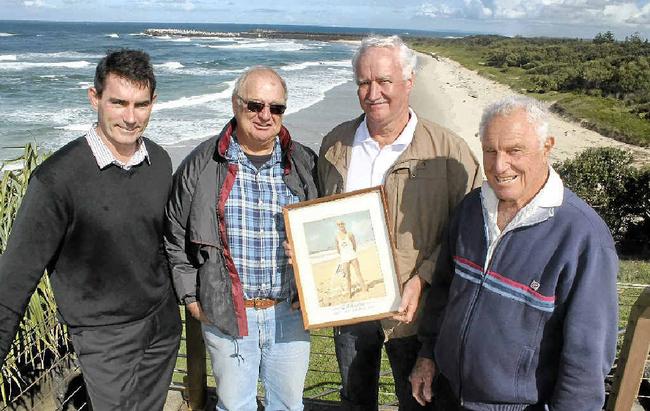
pixel 539 325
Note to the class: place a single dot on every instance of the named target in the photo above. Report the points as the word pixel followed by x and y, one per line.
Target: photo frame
pixel 343 258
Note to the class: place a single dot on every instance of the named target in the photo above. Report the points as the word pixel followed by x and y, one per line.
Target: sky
pixel 556 18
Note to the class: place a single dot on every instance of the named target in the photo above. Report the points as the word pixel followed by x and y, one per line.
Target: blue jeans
pixel 358 352
pixel 276 351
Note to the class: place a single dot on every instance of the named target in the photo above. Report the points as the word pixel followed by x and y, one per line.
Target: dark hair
pixel 132 65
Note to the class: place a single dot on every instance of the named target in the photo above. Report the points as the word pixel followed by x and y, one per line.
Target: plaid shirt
pixel 103 154
pixel 255 225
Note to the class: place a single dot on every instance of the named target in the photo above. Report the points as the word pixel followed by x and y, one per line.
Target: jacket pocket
pixel 215 291
pixel 525 381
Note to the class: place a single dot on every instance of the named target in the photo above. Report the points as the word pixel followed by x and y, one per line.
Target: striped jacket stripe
pixel 502 285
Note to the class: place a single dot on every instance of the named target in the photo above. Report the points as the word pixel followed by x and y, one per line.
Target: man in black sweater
pixel 93 217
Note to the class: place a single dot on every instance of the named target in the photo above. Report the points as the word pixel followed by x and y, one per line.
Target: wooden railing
pixel 633 357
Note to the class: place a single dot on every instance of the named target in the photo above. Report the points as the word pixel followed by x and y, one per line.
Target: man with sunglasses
pixel 224 238
pixel 426 170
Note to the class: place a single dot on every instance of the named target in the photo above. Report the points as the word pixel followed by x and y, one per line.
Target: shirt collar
pixel 404 139
pixel 540 207
pixel 236 154
pixel 104 157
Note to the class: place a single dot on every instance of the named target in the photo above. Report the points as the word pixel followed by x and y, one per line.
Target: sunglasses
pixel 257 106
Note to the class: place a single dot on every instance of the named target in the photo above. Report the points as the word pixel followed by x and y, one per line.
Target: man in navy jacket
pixel 522 312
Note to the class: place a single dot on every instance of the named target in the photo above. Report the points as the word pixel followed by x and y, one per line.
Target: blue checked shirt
pixel 255 226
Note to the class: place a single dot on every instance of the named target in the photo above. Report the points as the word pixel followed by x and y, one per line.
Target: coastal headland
pixel 258 33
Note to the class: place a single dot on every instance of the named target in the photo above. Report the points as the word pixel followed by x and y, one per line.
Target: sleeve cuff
pixel 188 299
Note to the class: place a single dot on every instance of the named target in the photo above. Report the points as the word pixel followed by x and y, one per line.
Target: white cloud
pixel 187 6
pixel 627 13
pixel 33 3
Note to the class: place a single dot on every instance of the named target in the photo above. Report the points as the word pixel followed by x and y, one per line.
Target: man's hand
pixel 288 251
pixel 421 380
pixel 410 299
pixel 197 312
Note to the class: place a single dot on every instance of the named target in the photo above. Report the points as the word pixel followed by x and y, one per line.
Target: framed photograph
pixel 343 258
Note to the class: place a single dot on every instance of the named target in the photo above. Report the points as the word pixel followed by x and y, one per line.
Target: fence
pixel 53 382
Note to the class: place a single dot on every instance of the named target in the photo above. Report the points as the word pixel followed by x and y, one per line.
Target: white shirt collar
pixel 541 206
pixel 105 157
pixel 368 162
pixel 362 136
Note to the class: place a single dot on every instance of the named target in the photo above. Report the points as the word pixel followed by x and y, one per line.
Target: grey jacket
pixel 195 230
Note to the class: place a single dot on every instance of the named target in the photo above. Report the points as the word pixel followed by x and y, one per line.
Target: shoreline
pixel 455 97
pixel 445 92
pixel 307 126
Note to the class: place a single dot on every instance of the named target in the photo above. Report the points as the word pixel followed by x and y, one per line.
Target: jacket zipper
pixel 391 173
pixel 469 319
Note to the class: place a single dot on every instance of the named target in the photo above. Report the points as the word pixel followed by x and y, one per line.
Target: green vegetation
pixel 631 272
pixel 619 192
pixel 40 339
pixel 601 82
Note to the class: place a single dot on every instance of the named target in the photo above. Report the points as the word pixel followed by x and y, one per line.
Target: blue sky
pixel 569 18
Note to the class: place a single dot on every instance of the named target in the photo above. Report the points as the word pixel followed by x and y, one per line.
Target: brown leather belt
pixel 260 303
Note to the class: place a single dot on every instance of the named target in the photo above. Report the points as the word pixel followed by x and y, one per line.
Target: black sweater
pixel 98 233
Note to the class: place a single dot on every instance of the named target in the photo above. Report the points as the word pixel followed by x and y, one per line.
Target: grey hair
pixel 407 57
pixel 536 112
pixel 242 79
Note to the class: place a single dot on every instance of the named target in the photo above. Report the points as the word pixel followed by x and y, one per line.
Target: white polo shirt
pixel 368 163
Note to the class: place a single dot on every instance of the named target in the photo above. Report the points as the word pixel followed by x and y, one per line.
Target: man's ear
pixel 548 146
pixel 410 82
pixel 93 97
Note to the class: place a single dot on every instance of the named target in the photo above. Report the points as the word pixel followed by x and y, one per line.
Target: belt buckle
pixel 260 303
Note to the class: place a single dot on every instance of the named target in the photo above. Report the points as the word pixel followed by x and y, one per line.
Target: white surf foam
pixel 74 127
pixel 170 65
pixel 262 45
pixel 59 55
pixel 307 64
pixel 113 35
pixel 196 100
pixel 308 88
pixel 7 57
pixel 22 65
pixel 6 34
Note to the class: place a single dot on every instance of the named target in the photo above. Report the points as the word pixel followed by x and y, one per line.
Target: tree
pixel 606 37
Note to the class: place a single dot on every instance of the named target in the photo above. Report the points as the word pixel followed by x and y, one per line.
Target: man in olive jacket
pixel 426 170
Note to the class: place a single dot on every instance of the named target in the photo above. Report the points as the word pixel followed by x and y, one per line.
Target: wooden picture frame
pixel 343 258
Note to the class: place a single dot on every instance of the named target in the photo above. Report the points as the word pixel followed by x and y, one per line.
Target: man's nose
pixel 374 91
pixel 265 114
pixel 129 115
pixel 501 162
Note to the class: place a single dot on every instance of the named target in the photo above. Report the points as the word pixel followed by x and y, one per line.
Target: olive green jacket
pixel 422 188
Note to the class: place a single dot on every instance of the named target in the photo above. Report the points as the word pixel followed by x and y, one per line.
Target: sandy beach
pixel 445 92
pixel 455 97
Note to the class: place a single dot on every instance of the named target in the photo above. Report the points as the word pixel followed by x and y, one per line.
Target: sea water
pixel 46 69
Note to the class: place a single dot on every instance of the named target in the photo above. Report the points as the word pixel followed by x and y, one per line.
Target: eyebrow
pixel 122 101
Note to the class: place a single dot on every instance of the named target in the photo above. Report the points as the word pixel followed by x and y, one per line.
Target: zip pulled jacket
pixel 195 229
pixel 539 325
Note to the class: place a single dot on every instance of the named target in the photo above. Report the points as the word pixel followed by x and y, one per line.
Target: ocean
pixel 47 67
